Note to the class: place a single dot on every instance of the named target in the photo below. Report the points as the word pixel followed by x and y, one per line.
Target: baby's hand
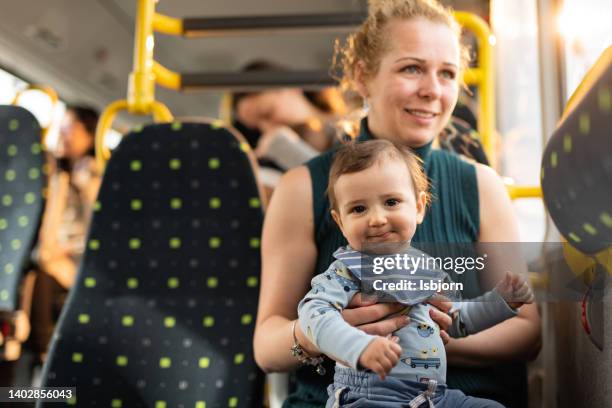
pixel 515 290
pixel 381 355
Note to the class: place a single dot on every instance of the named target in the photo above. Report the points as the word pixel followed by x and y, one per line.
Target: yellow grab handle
pixel 104 124
pixel 43 88
pixel 54 99
pixel 160 112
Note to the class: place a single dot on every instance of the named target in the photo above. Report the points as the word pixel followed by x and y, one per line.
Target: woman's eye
pixel 448 74
pixel 392 202
pixel 412 69
pixel 358 209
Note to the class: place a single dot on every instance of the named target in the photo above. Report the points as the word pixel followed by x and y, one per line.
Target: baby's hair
pixel 354 157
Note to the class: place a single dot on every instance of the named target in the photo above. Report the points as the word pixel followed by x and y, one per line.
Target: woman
pixel 311 115
pixel 73 186
pixel 286 126
pixel 406 63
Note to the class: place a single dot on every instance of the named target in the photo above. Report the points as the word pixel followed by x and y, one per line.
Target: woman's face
pixel 74 140
pixel 270 109
pixel 415 90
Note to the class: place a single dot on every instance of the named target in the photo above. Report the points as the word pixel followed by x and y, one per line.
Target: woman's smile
pixel 421 117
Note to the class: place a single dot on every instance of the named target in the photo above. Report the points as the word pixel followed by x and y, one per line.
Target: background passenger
pixel 73 188
pixel 287 126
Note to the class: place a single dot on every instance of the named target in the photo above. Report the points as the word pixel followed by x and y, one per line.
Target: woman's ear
pixel 360 80
pixel 421 206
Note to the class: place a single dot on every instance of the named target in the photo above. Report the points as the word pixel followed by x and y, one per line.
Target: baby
pixel 378 195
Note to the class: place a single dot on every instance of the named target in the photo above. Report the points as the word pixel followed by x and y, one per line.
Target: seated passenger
pixel 73 188
pixel 378 195
pixel 406 62
pixel 287 126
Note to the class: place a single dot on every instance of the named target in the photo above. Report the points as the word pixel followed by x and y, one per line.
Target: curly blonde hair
pixel 369 44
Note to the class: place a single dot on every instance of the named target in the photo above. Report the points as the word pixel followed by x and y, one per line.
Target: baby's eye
pixel 391 202
pixel 358 209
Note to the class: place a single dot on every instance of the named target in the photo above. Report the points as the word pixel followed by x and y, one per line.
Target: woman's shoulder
pixel 318 169
pixel 455 209
pixel 320 165
pixel 448 165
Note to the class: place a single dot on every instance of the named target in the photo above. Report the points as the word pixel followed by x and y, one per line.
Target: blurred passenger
pixel 287 126
pixel 73 187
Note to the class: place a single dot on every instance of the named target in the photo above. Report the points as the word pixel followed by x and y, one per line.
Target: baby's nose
pixel 378 218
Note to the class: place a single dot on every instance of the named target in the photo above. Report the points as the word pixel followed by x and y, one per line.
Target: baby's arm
pixel 492 307
pixel 515 290
pixel 321 321
pixel 381 355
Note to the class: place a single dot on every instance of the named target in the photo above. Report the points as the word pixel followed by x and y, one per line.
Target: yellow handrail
pixel 167 25
pixel 54 99
pixel 482 76
pixel 43 88
pixel 523 191
pixel 165 77
pixel 160 114
pixel 141 88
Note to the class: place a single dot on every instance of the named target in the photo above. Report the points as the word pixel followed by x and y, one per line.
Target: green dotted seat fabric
pixel 577 170
pixel 163 309
pixel 21 203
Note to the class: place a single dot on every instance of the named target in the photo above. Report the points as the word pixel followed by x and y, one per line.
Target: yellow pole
pixel 141 88
pixel 225 110
pixel 486 111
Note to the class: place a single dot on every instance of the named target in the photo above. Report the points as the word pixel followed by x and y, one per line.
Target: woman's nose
pixel 429 86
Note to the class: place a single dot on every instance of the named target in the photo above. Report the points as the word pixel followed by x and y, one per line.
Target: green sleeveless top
pixel 453 217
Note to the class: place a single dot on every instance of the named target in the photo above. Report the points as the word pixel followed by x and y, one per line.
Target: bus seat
pixel 21 205
pixel 577 166
pixel 163 309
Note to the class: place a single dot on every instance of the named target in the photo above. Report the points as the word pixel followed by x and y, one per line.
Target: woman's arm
pixel 288 261
pixel 517 338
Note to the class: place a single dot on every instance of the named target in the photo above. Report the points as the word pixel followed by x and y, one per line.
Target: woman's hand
pixel 439 314
pixel 373 318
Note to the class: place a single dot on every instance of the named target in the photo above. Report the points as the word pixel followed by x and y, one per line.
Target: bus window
pixel 518 102
pixel 584 26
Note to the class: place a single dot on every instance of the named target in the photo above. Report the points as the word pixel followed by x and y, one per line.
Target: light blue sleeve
pixel 321 321
pixel 480 313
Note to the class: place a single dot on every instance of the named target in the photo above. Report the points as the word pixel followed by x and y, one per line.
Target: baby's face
pixel 378 205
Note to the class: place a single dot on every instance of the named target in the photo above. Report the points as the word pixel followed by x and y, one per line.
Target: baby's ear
pixel 421 206
pixel 336 217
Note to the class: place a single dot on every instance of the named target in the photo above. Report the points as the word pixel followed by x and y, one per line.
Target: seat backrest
pixel 163 309
pixel 21 203
pixel 577 166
